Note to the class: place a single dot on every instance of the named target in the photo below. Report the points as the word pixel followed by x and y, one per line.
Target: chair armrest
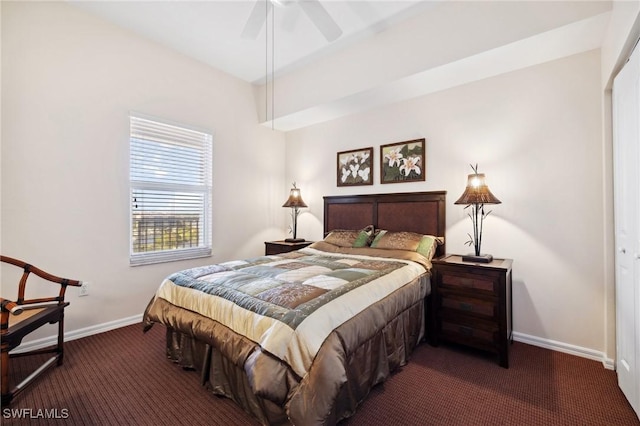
pixel 10 306
pixel 7 307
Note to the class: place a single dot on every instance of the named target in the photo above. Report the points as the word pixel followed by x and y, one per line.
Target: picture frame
pixel 355 167
pixel 403 161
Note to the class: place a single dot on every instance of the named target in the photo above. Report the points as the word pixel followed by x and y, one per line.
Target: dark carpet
pixel 122 377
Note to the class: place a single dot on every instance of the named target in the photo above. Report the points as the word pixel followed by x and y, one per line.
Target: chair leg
pixel 7 395
pixel 60 351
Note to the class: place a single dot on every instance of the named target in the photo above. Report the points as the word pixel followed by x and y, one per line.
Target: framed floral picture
pixel 355 167
pixel 402 162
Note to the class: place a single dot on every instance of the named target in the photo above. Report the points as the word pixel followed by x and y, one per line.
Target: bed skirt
pixel 363 366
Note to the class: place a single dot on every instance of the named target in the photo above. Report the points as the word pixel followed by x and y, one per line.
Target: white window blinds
pixel 170 175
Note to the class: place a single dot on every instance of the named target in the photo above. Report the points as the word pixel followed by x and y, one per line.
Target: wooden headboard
pixel 421 212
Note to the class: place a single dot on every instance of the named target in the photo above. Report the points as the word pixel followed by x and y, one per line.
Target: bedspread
pixel 288 304
pixel 293 322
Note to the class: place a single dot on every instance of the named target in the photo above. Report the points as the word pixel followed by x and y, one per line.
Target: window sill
pixel 168 256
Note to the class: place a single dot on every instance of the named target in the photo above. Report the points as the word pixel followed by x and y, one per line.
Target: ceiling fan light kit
pixel 312 8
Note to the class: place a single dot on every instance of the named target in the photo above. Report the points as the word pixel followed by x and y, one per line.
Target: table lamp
pixel 475 196
pixel 295 202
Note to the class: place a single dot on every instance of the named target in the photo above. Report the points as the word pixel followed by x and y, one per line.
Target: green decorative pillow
pixel 428 244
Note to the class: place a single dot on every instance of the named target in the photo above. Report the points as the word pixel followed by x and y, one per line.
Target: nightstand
pixel 277 247
pixel 471 304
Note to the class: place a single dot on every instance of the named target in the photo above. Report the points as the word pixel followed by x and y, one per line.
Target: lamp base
pixel 294 240
pixel 483 258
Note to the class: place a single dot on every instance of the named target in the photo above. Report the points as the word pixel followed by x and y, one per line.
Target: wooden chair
pixel 19 318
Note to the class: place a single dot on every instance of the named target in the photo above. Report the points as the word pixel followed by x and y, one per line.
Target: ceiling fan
pixel 314 10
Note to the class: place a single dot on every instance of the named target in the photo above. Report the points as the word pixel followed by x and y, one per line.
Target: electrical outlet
pixel 84 289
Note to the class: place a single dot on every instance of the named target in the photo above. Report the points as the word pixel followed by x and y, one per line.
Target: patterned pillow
pixel 350 237
pixel 410 241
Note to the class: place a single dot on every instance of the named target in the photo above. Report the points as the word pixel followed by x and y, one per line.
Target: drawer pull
pixel 466 331
pixel 466 306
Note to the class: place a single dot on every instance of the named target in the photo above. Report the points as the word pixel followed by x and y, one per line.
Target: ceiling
pixel 211 31
pixel 388 51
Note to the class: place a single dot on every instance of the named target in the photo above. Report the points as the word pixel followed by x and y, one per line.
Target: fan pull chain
pixel 273 60
pixel 266 63
pixel 266 59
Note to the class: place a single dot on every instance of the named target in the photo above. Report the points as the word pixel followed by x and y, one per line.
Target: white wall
pixel 537 135
pixel 68 83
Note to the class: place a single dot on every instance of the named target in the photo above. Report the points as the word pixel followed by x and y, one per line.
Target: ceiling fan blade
pixel 321 19
pixel 256 19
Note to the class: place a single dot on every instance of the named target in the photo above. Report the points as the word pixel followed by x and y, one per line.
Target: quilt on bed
pixel 288 304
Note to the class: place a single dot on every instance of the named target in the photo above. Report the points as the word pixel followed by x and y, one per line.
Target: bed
pixel 301 337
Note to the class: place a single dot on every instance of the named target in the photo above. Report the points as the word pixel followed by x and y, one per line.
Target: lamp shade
pixel 477 191
pixel 295 199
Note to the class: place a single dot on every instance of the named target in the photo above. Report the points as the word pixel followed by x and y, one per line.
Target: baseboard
pixel 554 345
pixel 78 334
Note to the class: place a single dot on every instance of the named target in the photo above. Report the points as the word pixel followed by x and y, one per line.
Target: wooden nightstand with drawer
pixel 471 304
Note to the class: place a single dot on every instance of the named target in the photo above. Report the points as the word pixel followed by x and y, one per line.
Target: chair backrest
pixel 28 269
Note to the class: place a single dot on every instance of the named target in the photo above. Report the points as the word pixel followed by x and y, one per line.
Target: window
pixel 170 175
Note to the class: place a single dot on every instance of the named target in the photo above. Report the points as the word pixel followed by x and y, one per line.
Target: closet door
pixel 626 153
